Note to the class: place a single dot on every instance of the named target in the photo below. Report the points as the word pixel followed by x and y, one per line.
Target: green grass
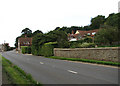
pixel 87 60
pixel 16 75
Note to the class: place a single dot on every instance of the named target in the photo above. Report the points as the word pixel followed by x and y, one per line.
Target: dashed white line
pixel 41 63
pixel 72 71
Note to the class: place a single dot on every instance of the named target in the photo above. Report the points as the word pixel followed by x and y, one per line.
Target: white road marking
pixel 72 71
pixel 41 63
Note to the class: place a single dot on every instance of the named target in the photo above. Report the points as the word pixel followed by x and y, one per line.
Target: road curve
pixel 53 71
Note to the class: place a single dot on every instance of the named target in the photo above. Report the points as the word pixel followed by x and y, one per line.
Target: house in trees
pixel 1 47
pixel 4 47
pixel 24 41
pixel 79 34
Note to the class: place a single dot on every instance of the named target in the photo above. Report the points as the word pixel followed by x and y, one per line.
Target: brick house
pixel 24 41
pixel 81 34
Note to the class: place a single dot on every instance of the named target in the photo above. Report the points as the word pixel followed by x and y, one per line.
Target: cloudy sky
pixel 46 15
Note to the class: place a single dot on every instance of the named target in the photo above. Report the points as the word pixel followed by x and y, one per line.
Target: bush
pixel 47 49
pixel 26 49
pixel 87 45
pixel 76 44
pixel 29 50
pixel 88 40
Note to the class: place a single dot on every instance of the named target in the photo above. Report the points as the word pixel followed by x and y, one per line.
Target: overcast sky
pixel 46 15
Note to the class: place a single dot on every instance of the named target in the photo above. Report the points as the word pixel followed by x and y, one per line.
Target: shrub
pixel 74 45
pixel 82 43
pixel 87 45
pixel 88 40
pixel 23 49
pixel 29 50
pixel 26 49
pixel 47 49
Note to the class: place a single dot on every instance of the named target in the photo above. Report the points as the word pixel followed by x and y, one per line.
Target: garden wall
pixel 105 54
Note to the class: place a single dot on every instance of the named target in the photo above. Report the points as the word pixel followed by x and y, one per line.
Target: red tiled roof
pixel 82 33
pixel 25 41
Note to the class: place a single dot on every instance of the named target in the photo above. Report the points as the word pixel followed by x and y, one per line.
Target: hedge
pixel 82 45
pixel 87 45
pixel 26 49
pixel 47 49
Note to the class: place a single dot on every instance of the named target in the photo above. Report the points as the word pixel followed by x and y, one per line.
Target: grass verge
pixel 87 60
pixel 16 75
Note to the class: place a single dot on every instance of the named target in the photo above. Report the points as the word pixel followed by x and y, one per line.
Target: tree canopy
pixel 97 21
pixel 26 31
pixel 36 32
pixel 107 36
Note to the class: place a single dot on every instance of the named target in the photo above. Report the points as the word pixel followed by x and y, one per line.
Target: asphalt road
pixel 52 71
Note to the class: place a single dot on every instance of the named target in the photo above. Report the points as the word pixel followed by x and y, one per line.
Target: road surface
pixel 53 71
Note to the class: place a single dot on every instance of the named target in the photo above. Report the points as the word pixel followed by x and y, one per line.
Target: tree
pixel 26 31
pixel 6 46
pixel 97 21
pixel 112 20
pixel 60 37
pixel 36 32
pixel 107 36
pixel 57 28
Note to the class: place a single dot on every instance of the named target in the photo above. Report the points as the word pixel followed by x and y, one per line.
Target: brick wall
pixel 106 54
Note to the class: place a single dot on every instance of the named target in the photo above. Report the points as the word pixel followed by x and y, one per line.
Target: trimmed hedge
pixel 87 45
pixel 82 45
pixel 26 49
pixel 47 49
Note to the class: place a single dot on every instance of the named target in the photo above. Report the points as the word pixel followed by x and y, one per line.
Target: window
pixel 93 33
pixel 88 33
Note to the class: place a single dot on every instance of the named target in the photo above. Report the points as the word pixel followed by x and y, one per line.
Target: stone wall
pixel 106 54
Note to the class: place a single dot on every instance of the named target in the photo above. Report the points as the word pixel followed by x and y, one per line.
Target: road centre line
pixel 41 63
pixel 72 71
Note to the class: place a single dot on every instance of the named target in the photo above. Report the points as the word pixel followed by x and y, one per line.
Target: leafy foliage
pixel 87 45
pixel 26 31
pixel 107 36
pixel 82 45
pixel 36 32
pixel 47 49
pixel 26 49
pixel 112 20
pixel 60 37
pixel 53 36
pixel 97 21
